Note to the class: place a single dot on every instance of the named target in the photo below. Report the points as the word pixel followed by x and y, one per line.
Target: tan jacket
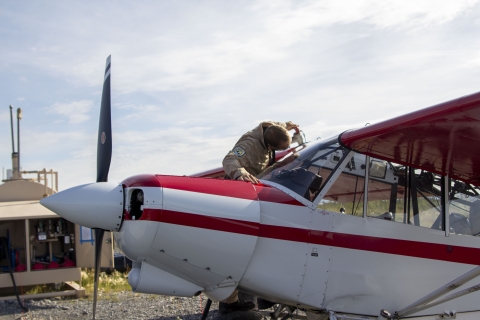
pixel 250 154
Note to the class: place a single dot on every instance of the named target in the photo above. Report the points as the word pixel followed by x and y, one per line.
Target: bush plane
pixel 380 222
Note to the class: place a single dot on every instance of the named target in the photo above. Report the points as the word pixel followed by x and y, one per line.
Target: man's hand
pixel 248 177
pixel 291 125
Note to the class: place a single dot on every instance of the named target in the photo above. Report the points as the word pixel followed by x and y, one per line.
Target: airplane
pixel 380 222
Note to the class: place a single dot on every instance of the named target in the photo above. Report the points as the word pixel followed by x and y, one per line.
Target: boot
pixel 239 305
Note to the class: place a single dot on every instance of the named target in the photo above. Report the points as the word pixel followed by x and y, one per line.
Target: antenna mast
pixel 11 127
pixel 16 155
pixel 19 116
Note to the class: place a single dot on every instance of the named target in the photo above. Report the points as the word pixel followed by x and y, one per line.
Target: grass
pixel 109 283
pixel 49 287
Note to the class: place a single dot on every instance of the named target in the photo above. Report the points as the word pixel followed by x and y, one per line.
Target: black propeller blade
pixel 104 157
pixel 104 144
pixel 98 251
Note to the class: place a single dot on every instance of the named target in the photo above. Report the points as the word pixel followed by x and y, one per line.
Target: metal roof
pixel 14 210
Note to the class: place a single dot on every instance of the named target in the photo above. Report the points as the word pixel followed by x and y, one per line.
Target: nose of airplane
pixel 94 205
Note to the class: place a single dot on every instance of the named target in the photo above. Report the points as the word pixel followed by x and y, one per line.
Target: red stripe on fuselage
pixel 407 248
pixel 426 250
pixel 201 221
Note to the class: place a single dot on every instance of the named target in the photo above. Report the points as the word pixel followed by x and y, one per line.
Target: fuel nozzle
pixel 298 137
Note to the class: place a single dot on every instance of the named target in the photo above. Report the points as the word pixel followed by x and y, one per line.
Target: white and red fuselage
pixel 200 234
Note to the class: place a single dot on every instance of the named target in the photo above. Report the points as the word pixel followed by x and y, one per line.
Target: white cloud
pixel 474 62
pixel 75 111
pixel 139 113
pixel 292 17
pixel 158 59
pixel 418 14
pixel 174 151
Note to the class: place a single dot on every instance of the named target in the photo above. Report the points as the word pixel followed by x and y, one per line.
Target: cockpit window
pixel 464 208
pixel 307 174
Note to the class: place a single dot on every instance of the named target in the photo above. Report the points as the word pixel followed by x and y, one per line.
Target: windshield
pixel 307 174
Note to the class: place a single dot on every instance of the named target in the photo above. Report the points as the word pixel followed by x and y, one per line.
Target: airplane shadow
pixel 212 315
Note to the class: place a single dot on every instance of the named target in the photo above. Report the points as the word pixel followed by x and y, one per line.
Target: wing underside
pixel 443 138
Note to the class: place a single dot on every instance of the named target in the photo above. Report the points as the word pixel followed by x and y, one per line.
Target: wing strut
pixel 428 301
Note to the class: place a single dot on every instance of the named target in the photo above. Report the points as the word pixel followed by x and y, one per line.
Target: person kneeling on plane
pixel 254 153
pixel 253 156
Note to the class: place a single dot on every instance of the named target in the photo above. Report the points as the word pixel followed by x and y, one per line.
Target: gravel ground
pixel 123 305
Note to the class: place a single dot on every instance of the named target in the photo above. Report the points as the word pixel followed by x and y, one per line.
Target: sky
pixel 190 77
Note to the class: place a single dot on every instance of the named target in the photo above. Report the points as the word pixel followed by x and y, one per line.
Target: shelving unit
pixel 20 218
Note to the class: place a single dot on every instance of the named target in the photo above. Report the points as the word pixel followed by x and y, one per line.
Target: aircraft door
pixel 318 262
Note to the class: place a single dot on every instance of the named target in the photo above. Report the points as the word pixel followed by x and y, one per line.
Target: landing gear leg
pixel 206 310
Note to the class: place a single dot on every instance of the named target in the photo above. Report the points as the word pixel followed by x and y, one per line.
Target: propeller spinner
pixel 98 205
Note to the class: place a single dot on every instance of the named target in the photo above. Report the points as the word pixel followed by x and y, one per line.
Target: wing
pixel 443 138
